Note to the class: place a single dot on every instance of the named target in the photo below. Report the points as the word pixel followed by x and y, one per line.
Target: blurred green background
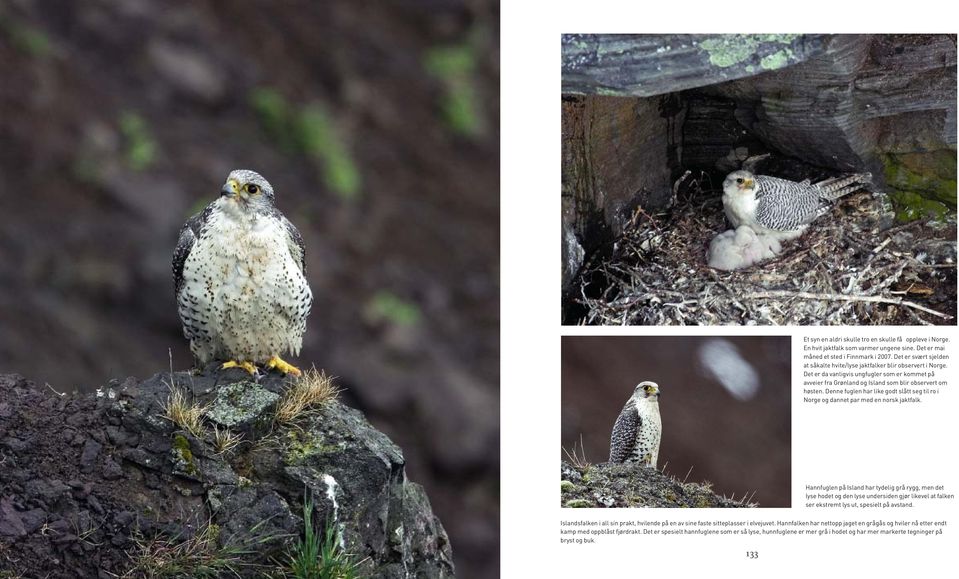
pixel 376 123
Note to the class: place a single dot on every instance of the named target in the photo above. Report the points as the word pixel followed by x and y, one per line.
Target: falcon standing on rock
pixel 779 206
pixel 239 277
pixel 638 429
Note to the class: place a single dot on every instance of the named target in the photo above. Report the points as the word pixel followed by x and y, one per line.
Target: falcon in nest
pixel 779 206
pixel 239 276
pixel 638 429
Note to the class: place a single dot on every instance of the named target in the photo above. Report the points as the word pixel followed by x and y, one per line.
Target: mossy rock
pixel 923 184
pixel 299 444
pixel 244 407
pixel 577 504
pixel 634 485
pixel 182 456
pixel 728 50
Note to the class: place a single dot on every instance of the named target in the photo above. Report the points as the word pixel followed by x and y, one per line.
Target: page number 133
pixel 752 554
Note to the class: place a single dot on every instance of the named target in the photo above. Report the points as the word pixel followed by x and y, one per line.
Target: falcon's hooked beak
pixel 232 189
pixel 747 184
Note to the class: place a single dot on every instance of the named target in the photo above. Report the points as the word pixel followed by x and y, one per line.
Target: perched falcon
pixel 239 276
pixel 782 207
pixel 638 429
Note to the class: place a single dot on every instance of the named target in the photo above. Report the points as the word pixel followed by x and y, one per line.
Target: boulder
pixel 608 485
pixel 130 477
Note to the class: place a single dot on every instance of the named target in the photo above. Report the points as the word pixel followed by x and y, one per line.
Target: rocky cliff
pixel 653 123
pixel 629 485
pixel 879 103
pixel 205 473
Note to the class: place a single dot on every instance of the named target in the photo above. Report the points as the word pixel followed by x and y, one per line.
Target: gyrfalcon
pixel 770 205
pixel 638 429
pixel 239 275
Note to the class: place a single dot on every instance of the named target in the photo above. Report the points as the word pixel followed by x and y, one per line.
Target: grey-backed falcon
pixel 639 429
pixel 770 205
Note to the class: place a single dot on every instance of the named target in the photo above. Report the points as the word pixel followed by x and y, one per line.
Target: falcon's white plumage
pixel 769 205
pixel 239 276
pixel 638 430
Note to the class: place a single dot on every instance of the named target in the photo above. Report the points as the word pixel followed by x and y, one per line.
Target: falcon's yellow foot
pixel 248 366
pixel 285 367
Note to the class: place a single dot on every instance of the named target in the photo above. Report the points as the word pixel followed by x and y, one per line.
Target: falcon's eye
pixel 739 180
pixel 252 189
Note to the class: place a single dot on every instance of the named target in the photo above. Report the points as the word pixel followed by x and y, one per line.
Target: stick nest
pixel 853 266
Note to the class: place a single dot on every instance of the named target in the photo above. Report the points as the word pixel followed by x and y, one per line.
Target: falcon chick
pixel 779 206
pixel 239 278
pixel 638 429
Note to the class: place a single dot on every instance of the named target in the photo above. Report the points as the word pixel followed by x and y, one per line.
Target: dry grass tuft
pixel 184 413
pixel 746 500
pixel 198 556
pixel 225 440
pixel 313 389
pixel 577 458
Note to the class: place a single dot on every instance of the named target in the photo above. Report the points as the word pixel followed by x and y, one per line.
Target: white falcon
pixel 239 276
pixel 769 205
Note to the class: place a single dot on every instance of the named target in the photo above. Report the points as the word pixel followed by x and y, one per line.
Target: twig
pixel 841 297
pixel 47 384
pixel 882 245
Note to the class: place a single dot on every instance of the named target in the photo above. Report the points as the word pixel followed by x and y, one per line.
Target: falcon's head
pixel 739 182
pixel 248 190
pixel 646 390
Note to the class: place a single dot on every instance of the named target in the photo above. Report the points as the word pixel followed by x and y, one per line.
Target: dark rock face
pixel 618 156
pixel 863 98
pixel 654 64
pixel 609 485
pixel 883 104
pixel 84 478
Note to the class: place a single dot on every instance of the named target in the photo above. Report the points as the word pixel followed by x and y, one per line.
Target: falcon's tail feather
pixel 837 187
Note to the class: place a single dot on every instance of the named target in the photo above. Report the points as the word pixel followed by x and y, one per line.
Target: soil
pixel 54 507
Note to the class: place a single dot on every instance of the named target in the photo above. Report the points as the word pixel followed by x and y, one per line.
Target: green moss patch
pixel 732 49
pixel 923 184
pixel 298 445
pixel 183 456
pixel 577 504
